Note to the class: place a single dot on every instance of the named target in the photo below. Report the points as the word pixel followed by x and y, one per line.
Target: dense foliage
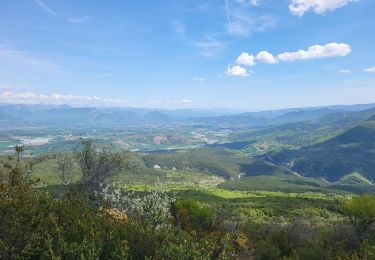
pixel 120 224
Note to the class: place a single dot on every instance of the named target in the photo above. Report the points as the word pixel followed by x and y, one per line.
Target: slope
pixel 349 152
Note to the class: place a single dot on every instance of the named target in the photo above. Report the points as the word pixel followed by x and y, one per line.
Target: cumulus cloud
pixel 300 7
pixel 33 98
pixel 317 51
pixel 245 59
pixel 266 57
pixel 371 70
pixel 313 52
pixel 236 71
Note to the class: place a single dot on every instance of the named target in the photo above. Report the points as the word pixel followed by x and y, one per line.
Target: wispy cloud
pixel 345 71
pixel 6 86
pixel 252 2
pixel 199 79
pixel 45 7
pixel 242 22
pixel 185 101
pixel 78 19
pixel 177 103
pixel 300 7
pixel 179 28
pixel 27 58
pixel 55 98
pixel 371 69
pixel 209 46
pixel 227 13
pixel 12 86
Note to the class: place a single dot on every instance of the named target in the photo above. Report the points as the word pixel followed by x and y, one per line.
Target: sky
pixel 238 54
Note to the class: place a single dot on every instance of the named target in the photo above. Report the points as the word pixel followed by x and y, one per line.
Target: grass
pixel 258 206
pixel 46 172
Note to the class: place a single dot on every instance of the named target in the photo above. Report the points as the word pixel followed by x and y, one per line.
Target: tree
pixel 97 164
pixel 361 212
pixel 65 164
pixel 12 170
pixel 19 149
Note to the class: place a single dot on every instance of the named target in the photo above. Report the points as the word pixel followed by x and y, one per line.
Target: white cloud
pixel 209 46
pixel 179 28
pixel 7 86
pixel 313 52
pixel 317 51
pixel 299 7
pixel 252 2
pixel 174 102
pixel 236 71
pixel 266 57
pixel 45 7
pixel 199 79
pixel 246 59
pixel 26 59
pixel 371 70
pixel 79 20
pixel 183 101
pixel 241 21
pixel 33 98
pixel 186 101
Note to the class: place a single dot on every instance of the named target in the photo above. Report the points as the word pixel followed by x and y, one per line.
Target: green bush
pixel 36 225
pixel 361 212
pixel 195 215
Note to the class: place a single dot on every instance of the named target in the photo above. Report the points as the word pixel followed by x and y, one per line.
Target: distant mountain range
pixel 63 115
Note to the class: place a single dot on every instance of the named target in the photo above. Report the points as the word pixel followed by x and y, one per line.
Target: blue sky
pixel 185 53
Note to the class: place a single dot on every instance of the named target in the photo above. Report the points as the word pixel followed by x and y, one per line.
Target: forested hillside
pixel 349 152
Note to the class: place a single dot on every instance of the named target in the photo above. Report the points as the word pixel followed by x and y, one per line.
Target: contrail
pixel 228 17
pixel 45 7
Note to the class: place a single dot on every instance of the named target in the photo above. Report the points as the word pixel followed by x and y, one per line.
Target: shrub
pixel 361 212
pixel 36 225
pixel 195 215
